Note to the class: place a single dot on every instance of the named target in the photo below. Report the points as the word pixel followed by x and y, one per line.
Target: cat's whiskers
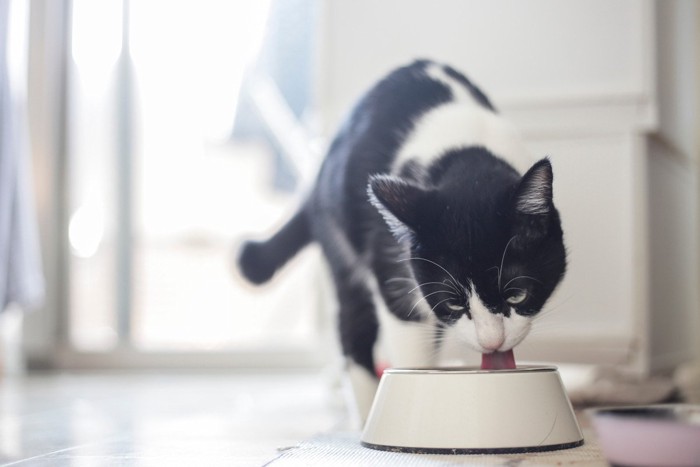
pixel 551 308
pixel 439 303
pixel 453 288
pixel 542 329
pixel 424 297
pixel 503 259
pixel 447 283
pixel 541 315
pixel 455 282
pixel 542 326
pixel 522 277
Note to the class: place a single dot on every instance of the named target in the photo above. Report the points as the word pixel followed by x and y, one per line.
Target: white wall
pixel 674 156
pixel 579 78
pixel 678 65
pixel 522 53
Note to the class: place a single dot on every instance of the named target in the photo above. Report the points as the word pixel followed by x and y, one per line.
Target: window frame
pixel 47 342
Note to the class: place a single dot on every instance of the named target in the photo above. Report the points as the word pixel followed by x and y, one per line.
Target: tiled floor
pixel 160 419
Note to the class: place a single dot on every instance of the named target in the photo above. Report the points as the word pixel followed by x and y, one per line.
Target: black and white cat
pixel 432 237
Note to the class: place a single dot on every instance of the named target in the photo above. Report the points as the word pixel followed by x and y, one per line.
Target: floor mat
pixel 344 449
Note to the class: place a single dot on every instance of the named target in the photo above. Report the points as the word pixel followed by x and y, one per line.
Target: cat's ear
pixel 533 206
pixel 534 194
pixel 402 203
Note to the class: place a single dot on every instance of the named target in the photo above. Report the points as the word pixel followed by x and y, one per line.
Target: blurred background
pixel 148 138
pixel 142 140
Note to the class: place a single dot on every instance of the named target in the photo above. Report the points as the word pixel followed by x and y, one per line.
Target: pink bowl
pixel 652 435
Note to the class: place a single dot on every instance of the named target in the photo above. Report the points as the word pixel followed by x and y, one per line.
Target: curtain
pixel 21 277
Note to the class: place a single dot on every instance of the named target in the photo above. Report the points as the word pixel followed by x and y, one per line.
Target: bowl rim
pixel 476 451
pixel 463 370
pixel 679 413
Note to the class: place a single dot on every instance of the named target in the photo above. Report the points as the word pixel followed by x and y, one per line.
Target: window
pixel 188 130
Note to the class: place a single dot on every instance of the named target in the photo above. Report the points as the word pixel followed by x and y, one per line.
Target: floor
pixel 343 449
pixel 160 419
pixel 224 419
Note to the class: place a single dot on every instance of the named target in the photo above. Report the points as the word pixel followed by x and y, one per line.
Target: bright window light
pixel 86 229
pixel 195 189
pixel 97 37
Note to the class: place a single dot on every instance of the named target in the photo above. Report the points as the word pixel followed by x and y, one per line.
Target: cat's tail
pixel 258 261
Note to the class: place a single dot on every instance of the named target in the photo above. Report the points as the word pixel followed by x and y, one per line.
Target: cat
pixel 432 236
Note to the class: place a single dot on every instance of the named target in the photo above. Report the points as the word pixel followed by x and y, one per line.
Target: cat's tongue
pixel 498 360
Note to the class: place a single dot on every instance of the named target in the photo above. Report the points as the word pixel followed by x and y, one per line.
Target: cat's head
pixel 487 249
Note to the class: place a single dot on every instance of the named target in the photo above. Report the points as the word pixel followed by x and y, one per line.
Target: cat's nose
pixel 491 341
pixel 490 328
pixel 492 345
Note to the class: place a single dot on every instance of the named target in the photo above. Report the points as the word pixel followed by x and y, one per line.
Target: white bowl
pixel 471 411
pixel 651 435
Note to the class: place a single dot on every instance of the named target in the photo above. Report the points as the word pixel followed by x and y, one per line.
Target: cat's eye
pixel 455 306
pixel 517 297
